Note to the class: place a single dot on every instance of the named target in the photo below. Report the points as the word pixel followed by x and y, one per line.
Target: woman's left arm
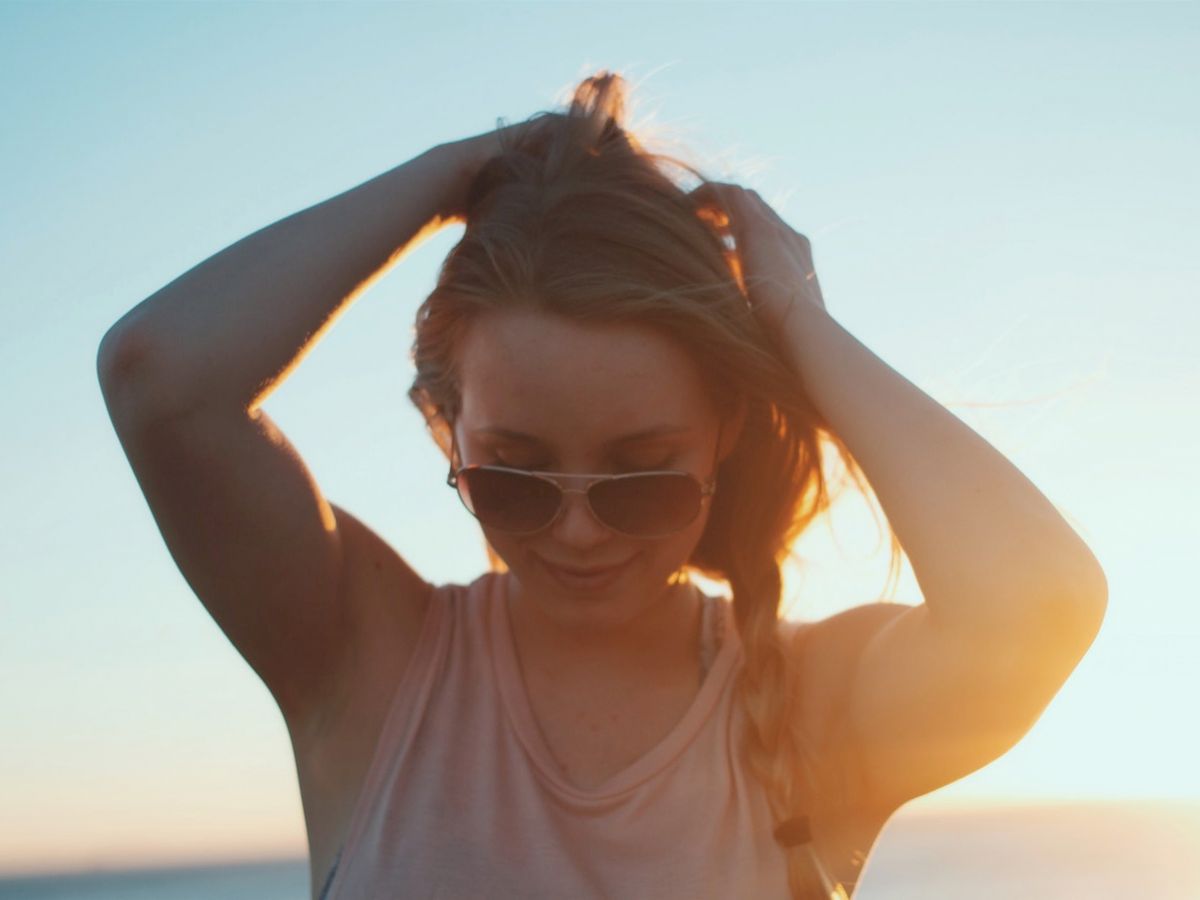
pixel 1013 596
pixel 992 556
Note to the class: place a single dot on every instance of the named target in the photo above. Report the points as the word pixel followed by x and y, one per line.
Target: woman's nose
pixel 576 523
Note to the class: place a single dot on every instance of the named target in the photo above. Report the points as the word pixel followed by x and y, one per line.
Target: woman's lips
pixel 584 578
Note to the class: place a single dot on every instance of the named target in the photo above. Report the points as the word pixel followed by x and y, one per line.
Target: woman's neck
pixel 665 637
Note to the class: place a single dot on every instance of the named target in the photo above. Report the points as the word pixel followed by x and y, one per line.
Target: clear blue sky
pixel 1003 203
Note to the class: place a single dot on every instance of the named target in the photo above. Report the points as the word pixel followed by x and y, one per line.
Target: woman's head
pixel 592 296
pixel 545 392
pixel 578 240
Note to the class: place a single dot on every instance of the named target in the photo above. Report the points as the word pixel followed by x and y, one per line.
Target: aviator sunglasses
pixel 637 504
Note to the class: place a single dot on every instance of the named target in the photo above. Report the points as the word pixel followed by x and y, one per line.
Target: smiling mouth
pixel 585 578
pixel 595 570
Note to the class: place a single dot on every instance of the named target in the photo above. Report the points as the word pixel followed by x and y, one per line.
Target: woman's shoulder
pixel 840 635
pixel 826 652
pixel 849 626
pixel 468 589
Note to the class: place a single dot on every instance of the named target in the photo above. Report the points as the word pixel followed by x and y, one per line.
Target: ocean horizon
pixel 1101 851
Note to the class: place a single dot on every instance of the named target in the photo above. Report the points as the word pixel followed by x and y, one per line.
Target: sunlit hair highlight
pixel 575 218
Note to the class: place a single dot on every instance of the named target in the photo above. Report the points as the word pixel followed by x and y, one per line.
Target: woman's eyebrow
pixel 645 434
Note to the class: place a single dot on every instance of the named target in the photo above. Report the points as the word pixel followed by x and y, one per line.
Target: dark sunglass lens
pixel 647 504
pixel 508 500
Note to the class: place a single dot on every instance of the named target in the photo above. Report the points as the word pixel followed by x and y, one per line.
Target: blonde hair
pixel 575 218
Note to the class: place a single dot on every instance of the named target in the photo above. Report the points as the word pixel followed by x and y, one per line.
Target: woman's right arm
pixel 227 332
pixel 305 592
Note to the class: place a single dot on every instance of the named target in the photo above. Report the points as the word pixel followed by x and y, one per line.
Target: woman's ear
pixel 731 429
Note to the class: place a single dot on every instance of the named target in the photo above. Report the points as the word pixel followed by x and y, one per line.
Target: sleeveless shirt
pixel 463 798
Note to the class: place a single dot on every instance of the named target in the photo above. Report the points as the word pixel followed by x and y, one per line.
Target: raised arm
pixel 289 578
pixel 227 332
pixel 1013 596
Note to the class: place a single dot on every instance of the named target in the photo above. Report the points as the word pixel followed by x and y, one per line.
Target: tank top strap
pixel 712 632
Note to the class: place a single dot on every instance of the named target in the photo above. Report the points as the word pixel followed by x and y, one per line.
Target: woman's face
pixel 575 390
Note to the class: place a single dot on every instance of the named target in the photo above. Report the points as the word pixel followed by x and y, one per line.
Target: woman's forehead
pixel 538 374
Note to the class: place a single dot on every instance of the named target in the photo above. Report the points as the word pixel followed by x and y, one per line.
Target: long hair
pixel 574 217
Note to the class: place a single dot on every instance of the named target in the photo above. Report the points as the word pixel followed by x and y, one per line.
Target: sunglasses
pixel 639 504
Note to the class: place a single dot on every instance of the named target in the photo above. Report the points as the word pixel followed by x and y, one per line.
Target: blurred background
pixel 1003 205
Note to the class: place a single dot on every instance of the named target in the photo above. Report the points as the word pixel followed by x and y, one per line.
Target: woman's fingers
pixel 718 192
pixel 737 202
pixel 771 252
pixel 725 205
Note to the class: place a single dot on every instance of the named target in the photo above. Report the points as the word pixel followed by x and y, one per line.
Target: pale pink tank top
pixel 463 798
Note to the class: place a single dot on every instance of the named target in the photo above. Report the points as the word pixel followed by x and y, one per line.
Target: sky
pixel 1003 205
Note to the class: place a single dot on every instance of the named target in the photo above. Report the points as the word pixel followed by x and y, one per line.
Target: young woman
pixel 631 382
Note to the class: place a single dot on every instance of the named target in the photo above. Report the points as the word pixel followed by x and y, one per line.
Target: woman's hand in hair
pixel 775 260
pixel 467 155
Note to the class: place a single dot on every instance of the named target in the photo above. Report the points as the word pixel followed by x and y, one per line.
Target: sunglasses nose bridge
pixel 587 504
